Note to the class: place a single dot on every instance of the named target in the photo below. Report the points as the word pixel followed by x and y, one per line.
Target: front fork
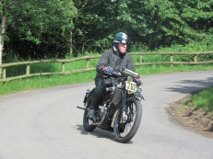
pixel 123 112
pixel 123 102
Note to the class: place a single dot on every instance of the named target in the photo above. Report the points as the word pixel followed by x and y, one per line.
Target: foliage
pixel 54 28
pixel 154 23
pixel 38 28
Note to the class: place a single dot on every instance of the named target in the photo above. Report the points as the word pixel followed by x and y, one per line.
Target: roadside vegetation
pixel 195 112
pixel 49 81
pixel 202 100
pixel 52 28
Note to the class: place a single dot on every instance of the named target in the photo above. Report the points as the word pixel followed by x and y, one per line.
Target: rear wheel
pixel 87 122
pixel 126 125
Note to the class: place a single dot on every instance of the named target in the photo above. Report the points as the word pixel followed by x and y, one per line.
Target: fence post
pixel 1 73
pixel 4 74
pixel 28 70
pixel 195 58
pixel 141 59
pixel 63 67
pixel 88 60
pixel 171 60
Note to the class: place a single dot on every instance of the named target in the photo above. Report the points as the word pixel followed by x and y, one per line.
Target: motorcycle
pixel 120 110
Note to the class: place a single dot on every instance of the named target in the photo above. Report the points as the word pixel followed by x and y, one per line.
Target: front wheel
pixel 126 126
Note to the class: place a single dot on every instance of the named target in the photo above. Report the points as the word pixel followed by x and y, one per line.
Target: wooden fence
pixel 88 67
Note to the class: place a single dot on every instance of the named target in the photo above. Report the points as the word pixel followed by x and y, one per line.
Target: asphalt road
pixel 45 124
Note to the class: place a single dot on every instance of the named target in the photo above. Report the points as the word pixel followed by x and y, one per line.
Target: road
pixel 45 124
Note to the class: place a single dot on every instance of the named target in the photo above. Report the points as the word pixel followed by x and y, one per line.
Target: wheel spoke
pixel 131 114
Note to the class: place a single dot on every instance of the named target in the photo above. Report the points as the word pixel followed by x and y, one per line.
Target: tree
pixel 52 28
pixel 154 23
pixel 39 29
pixel 197 14
pixel 2 30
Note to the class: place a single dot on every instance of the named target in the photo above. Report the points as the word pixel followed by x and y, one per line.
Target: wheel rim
pixel 124 126
pixel 88 120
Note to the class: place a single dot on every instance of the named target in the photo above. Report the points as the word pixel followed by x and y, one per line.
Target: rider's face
pixel 122 48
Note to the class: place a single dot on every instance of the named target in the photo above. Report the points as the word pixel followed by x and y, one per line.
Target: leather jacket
pixel 115 60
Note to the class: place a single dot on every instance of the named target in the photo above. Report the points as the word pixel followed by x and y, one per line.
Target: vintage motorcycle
pixel 120 110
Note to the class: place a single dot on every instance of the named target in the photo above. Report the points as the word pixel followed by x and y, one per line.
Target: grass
pixel 158 69
pixel 50 81
pixel 203 99
pixel 44 82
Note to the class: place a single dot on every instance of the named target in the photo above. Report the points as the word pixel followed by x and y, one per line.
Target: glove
pixel 138 81
pixel 107 70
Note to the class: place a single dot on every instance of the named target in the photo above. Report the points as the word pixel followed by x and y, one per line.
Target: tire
pixel 87 123
pixel 119 127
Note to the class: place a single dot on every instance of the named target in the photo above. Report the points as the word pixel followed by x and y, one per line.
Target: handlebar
pixel 130 73
pixel 125 72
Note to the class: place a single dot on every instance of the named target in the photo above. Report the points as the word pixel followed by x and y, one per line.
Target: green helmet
pixel 121 38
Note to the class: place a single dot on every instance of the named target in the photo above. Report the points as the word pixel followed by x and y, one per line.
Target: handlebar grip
pixel 116 74
pixel 130 73
pixel 110 89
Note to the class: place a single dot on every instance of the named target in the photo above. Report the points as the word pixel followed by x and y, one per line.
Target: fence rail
pixel 138 56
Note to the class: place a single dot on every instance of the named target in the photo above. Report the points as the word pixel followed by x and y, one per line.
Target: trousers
pixel 99 92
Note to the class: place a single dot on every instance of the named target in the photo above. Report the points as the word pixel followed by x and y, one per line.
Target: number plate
pixel 131 86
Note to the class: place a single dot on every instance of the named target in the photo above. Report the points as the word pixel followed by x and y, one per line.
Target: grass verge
pixel 50 81
pixel 44 82
pixel 202 100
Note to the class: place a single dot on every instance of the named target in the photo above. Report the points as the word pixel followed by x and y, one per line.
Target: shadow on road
pixel 99 133
pixel 190 86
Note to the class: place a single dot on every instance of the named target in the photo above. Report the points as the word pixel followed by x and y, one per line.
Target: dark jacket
pixel 113 59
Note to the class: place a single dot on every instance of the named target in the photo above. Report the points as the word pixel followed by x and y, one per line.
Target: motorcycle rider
pixel 113 59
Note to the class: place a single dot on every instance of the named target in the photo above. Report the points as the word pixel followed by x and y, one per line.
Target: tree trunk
pixel 71 49
pixel 2 32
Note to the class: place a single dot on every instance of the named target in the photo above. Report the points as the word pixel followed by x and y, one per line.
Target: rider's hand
pixel 138 80
pixel 108 70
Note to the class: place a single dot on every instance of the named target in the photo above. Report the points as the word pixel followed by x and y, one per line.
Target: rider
pixel 114 59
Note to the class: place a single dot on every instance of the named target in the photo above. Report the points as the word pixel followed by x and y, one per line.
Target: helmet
pixel 121 38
